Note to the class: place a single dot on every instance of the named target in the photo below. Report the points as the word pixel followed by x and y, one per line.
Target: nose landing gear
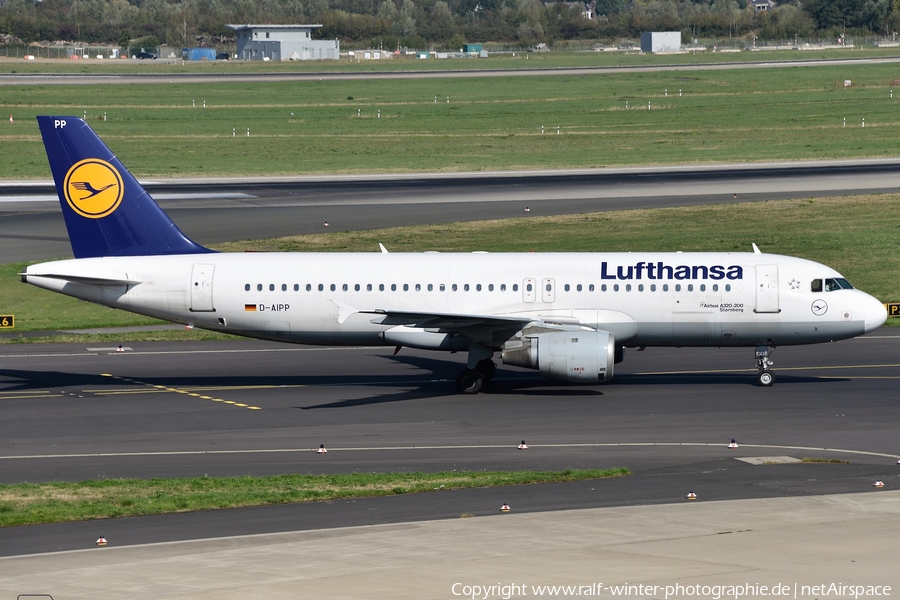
pixel 765 377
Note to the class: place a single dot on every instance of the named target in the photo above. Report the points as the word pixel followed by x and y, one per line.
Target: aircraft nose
pixel 875 314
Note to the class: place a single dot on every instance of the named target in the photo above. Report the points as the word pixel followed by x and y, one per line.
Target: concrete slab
pixel 768 460
pixel 793 542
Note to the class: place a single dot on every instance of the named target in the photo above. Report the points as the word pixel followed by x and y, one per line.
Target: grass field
pixel 489 123
pixel 56 502
pixel 857 235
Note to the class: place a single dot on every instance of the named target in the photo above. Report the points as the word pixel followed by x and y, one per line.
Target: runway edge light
pixel 505 508
pixel 101 541
pixel 733 444
pixel 878 483
pixel 691 495
pixel 522 446
pixel 321 449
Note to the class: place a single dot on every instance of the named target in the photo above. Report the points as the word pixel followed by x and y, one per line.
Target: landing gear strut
pixel 480 369
pixel 765 377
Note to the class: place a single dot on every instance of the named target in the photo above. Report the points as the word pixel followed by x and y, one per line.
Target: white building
pixel 283 42
pixel 661 41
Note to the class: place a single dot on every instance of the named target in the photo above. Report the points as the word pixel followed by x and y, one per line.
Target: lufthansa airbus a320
pixel 567 315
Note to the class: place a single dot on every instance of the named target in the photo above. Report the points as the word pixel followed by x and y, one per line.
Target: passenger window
pixel 443 287
pixel 405 287
pixel 393 287
pixel 816 286
pixel 296 287
pixel 478 287
pixel 627 287
pixel 308 287
pixel 715 287
pixel 690 287
pixel 258 287
pixel 418 287
pixel 616 287
pixel 665 287
pixel 578 288
pixel 283 287
pixel 333 287
pixel 502 287
pixel 271 287
pixel 368 287
pixel 566 287
pixel 453 287
pixel 356 288
pixel 247 288
pixel 640 287
pixel 591 288
pixel 321 287
pixel 515 287
pixel 466 287
pixel 430 287
pixel 652 287
pixel 380 287
pixel 702 287
pixel 677 287
pixel 345 287
pixel 603 287
pixel 528 288
pixel 490 287
pixel 727 287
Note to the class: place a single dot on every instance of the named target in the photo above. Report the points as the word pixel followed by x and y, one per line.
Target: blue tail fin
pixel 107 212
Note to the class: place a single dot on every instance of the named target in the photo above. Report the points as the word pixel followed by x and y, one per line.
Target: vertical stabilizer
pixel 107 212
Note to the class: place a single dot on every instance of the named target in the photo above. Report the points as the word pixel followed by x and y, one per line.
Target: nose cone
pixel 875 313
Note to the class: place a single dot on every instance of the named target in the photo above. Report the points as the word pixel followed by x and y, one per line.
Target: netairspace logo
pixel 711 592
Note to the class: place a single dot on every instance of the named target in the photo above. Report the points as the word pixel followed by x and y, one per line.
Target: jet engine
pixel 576 356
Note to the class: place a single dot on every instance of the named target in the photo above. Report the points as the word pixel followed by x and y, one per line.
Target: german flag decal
pixel 250 307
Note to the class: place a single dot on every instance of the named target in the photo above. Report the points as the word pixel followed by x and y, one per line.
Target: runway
pixel 236 77
pixel 71 412
pixel 212 211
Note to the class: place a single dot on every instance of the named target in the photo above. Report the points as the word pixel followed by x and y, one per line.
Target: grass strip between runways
pixel 56 502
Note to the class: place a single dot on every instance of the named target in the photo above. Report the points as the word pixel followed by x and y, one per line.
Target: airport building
pixel 661 41
pixel 283 42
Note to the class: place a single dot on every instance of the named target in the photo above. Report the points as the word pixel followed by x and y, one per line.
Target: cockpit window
pixel 837 284
pixel 845 285
pixel 816 285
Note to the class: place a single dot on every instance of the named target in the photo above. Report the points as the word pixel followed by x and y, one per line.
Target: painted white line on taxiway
pixel 461 447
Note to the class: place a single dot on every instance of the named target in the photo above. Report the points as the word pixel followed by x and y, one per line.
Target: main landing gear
pixel 470 381
pixel 473 378
pixel 765 377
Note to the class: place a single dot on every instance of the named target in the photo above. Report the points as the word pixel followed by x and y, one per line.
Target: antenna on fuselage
pixel 756 249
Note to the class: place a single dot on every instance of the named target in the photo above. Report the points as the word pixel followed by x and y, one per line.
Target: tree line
pixel 439 23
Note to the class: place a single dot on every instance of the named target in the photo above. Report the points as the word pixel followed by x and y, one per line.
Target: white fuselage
pixel 645 299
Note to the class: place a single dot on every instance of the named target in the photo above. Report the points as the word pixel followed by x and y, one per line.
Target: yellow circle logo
pixel 93 188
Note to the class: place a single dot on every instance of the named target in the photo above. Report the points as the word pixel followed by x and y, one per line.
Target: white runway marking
pixel 461 447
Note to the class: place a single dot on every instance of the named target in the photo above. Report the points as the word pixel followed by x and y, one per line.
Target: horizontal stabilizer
pixel 82 279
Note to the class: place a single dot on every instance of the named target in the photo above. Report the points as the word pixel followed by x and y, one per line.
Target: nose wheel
pixel 765 377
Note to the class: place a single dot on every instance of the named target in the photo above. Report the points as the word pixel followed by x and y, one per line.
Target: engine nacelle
pixel 577 356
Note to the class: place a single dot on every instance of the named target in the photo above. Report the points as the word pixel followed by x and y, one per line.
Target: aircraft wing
pixel 448 321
